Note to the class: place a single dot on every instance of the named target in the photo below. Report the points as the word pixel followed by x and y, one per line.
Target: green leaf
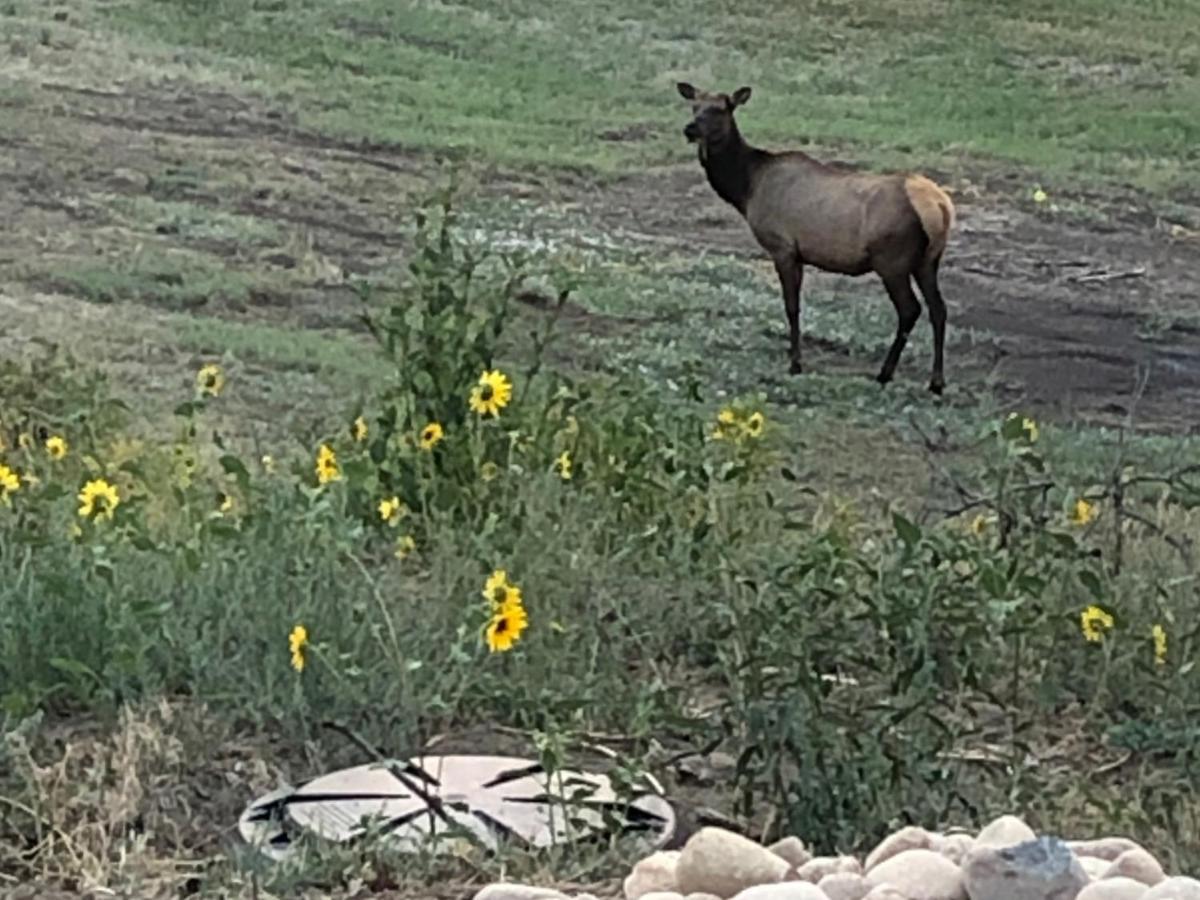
pixel 906 530
pixel 1091 582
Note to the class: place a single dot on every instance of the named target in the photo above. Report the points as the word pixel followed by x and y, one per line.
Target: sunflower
pixel 25 440
pixel 491 394
pixel 499 592
pixel 1160 644
pixel 98 500
pixel 1083 512
pixel 505 627
pixel 57 447
pixel 210 380
pixel 405 546
pixel 981 523
pixel 489 470
pixel 327 465
pixel 224 502
pixel 726 419
pixel 297 641
pixel 754 425
pixel 268 464
pixel 10 483
pixel 359 430
pixel 562 466
pixel 431 434
pixel 392 510
pixel 1093 622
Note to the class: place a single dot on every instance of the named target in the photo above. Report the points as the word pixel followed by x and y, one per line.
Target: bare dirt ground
pixel 1081 312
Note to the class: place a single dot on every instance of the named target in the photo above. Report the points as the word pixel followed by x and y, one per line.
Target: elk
pixel 805 212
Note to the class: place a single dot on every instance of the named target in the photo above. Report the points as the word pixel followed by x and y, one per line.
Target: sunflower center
pixel 502 625
pixel 499 595
pixel 486 393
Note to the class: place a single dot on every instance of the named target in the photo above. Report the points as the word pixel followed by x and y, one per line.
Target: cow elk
pixel 805 212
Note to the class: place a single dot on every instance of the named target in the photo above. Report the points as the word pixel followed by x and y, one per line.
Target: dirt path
pixel 1080 316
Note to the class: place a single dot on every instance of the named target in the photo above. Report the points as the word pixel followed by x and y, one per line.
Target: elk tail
pixel 935 209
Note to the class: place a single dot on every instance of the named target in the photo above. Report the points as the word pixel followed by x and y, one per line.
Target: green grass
pixel 673 573
pixel 1070 90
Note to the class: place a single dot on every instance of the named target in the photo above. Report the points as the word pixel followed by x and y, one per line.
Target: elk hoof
pixel 883 378
pixel 936 386
pixel 795 368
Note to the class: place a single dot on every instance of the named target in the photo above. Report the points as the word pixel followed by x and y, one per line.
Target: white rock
pixel 1137 864
pixel 788 890
pixel 1006 831
pixel 885 892
pixel 663 895
pixel 1113 889
pixel 1094 866
pixel 844 886
pixel 818 867
pixel 716 861
pixel 955 847
pixel 910 838
pixel 503 891
pixel 654 873
pixel 792 850
pixel 1103 848
pixel 701 896
pixel 920 875
pixel 1178 888
pixel 1043 869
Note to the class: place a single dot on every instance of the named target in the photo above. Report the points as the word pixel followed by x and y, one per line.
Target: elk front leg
pixel 791 277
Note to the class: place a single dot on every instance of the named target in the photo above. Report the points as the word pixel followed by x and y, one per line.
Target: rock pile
pixel 1005 861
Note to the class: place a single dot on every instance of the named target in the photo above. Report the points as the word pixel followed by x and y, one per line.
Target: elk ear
pixel 740 97
pixel 686 91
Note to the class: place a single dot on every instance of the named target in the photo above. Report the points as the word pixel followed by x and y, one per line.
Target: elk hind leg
pixel 908 310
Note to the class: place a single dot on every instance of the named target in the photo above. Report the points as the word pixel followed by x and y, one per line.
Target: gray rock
pixel 716 861
pixel 818 867
pixel 1042 869
pixel 1137 864
pixel 844 886
pixel 1006 831
pixel 1113 889
pixel 655 873
pixel 1108 848
pixel 791 850
pixel 788 890
pixel 1094 866
pixel 910 838
pixel 701 896
pixel 1178 888
pixel 955 847
pixel 920 875
pixel 504 891
pixel 885 892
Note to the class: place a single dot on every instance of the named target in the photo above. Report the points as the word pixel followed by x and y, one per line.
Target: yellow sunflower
pixel 431 434
pixel 505 627
pixel 297 641
pixel 1160 644
pixel 498 591
pixel 726 420
pixel 57 447
pixel 327 465
pixel 1083 512
pixel 10 483
pixel 754 425
pixel 981 523
pixel 562 466
pixel 491 394
pixel 98 500
pixel 405 546
pixel 359 430
pixel 225 502
pixel 1094 622
pixel 268 464
pixel 489 470
pixel 25 440
pixel 392 510
pixel 210 380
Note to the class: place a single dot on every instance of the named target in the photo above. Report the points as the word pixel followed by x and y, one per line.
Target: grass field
pixel 195 182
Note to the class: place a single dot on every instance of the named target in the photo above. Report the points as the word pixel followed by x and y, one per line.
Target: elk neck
pixel 730 167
